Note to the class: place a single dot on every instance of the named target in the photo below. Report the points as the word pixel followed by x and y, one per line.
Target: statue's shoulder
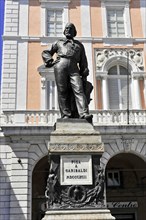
pixel 78 43
pixel 61 40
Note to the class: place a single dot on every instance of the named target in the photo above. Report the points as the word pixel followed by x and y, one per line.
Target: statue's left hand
pixel 49 63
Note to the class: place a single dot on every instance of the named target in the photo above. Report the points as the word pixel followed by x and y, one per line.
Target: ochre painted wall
pixel 34 83
pixel 136 23
pixel 75 15
pixel 96 19
pixel 34 18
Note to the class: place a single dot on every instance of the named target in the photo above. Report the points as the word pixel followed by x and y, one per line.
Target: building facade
pixel 113 33
pixel 1 32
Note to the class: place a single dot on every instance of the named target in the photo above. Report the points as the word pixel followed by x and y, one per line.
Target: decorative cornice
pixel 76 148
pixel 46 73
pixel 54 1
pixel 107 40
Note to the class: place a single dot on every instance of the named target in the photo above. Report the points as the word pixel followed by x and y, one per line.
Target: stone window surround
pixel 105 4
pixel 53 4
pixel 47 74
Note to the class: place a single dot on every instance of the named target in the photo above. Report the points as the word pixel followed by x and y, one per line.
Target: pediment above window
pixel 46 73
pixel 50 2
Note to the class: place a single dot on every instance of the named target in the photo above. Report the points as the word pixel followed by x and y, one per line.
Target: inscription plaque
pixel 76 170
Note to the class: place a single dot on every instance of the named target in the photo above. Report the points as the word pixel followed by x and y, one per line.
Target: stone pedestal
pixel 75 185
pixel 101 214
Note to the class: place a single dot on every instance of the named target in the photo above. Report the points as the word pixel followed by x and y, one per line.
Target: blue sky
pixel 1 31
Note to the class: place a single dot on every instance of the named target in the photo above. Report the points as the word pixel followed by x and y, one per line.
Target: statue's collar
pixel 69 40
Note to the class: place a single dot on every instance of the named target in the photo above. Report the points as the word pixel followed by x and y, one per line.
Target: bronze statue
pixel 71 71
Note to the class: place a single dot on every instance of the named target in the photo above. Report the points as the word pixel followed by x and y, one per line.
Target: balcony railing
pixel 48 118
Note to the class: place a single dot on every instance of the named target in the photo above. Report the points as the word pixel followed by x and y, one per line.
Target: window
pixel 116 19
pixel 51 95
pixel 54 22
pixel 113 178
pixel 115 22
pixel 54 16
pixel 118 88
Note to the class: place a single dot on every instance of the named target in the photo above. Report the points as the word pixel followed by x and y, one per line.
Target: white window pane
pixel 111 25
pixel 124 91
pixel 111 15
pixel 119 14
pixel 123 71
pixel 51 28
pixel 54 22
pixel 113 92
pixel 51 95
pixel 112 31
pixel 120 25
pixel 59 16
pixel 113 178
pixel 51 16
pixel 113 70
pixel 120 32
pixel 59 26
pixel 115 21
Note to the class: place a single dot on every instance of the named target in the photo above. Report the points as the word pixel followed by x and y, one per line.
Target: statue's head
pixel 70 30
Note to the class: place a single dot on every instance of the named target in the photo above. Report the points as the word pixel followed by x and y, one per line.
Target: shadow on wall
pixel 9 200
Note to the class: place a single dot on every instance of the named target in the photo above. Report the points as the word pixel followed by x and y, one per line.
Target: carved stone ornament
pixel 127 143
pixel 74 196
pixel 135 55
pixel 43 82
pixel 76 147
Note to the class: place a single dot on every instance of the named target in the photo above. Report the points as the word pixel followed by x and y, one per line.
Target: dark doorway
pixel 126 184
pixel 39 181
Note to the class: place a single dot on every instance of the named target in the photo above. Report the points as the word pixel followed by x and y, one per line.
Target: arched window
pixel 119 88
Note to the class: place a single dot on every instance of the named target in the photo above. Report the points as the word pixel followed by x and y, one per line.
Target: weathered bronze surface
pixel 71 71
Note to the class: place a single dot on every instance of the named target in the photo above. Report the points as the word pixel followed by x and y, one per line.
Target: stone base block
pixel 102 214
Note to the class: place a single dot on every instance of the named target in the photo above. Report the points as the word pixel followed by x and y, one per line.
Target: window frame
pixel 46 28
pixel 115 22
pixel 120 179
pixel 53 5
pixel 113 4
pixel 119 76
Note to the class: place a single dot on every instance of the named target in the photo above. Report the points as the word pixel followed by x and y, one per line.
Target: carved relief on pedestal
pixel 75 195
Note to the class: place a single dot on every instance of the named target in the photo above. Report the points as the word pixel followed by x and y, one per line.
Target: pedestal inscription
pixel 76 170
